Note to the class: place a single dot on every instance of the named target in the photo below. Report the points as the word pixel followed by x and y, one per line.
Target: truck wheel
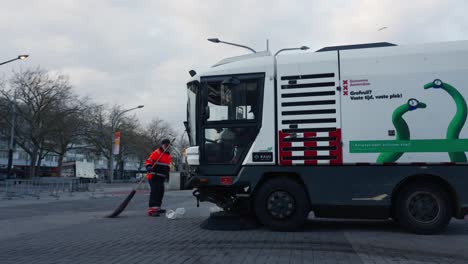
pixel 282 204
pixel 423 208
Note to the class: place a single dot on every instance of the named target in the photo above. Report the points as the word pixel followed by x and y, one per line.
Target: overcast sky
pixel 132 52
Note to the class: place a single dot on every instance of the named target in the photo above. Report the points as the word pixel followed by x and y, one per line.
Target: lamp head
pixel 214 40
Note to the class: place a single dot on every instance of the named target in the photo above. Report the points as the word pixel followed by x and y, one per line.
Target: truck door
pixel 231 119
pixel 308 109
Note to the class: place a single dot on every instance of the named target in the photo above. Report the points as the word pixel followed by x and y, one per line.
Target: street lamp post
pixel 216 40
pixel 13 119
pixel 300 48
pixel 114 124
pixel 12 136
pixel 20 57
pixel 278 52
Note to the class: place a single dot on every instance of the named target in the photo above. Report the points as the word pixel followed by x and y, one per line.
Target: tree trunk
pixel 32 165
pixel 121 170
pixel 108 169
pixel 118 166
pixel 39 161
pixel 60 163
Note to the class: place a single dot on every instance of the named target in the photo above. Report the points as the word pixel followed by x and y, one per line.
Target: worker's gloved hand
pixel 149 176
pixel 149 168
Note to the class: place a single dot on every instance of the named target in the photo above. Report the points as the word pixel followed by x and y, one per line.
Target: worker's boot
pixel 153 211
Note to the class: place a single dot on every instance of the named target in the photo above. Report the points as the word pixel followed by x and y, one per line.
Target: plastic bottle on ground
pixel 178 213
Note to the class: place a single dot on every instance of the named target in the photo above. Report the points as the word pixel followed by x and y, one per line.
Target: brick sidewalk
pixel 76 232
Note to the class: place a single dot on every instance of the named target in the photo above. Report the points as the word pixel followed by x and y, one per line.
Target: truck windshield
pixel 192 89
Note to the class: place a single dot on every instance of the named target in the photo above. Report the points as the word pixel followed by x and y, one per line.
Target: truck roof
pixel 358 46
pixel 260 61
pixel 330 48
pixel 242 57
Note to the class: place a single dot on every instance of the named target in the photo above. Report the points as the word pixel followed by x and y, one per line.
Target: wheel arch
pixel 440 181
pixel 266 176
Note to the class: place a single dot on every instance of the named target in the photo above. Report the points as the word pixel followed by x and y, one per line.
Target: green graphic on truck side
pixel 401 127
pixel 458 121
pixel 391 150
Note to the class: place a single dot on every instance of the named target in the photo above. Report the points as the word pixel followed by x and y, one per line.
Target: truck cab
pixel 225 113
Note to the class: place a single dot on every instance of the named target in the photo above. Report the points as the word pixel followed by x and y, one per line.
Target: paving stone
pixel 77 232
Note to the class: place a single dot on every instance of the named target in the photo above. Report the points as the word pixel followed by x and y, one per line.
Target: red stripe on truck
pixel 309 153
pixel 282 145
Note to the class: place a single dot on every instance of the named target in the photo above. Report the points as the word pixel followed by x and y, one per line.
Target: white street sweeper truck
pixel 371 131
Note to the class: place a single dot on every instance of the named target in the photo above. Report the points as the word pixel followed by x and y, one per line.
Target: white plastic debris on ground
pixel 178 213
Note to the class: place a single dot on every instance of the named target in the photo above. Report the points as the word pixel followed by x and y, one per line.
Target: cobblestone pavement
pixel 76 231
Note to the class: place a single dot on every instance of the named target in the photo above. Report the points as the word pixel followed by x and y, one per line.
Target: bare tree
pixel 143 146
pixel 128 129
pixel 158 130
pixel 142 141
pixel 39 95
pixel 99 132
pixel 50 118
pixel 68 130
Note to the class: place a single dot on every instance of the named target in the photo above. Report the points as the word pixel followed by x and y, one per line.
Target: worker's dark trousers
pixel 157 191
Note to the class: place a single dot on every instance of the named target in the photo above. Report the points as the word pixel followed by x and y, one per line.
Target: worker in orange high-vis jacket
pixel 158 167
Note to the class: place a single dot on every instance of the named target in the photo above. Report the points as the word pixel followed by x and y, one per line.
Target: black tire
pixel 423 208
pixel 290 211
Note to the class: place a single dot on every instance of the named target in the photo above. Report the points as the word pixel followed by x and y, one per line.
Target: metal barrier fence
pixel 35 187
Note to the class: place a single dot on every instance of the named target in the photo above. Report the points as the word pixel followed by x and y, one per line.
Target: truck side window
pixel 228 103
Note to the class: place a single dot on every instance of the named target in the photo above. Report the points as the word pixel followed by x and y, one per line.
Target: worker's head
pixel 165 143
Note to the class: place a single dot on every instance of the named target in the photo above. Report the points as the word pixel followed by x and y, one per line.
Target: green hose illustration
pixel 458 121
pixel 402 129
